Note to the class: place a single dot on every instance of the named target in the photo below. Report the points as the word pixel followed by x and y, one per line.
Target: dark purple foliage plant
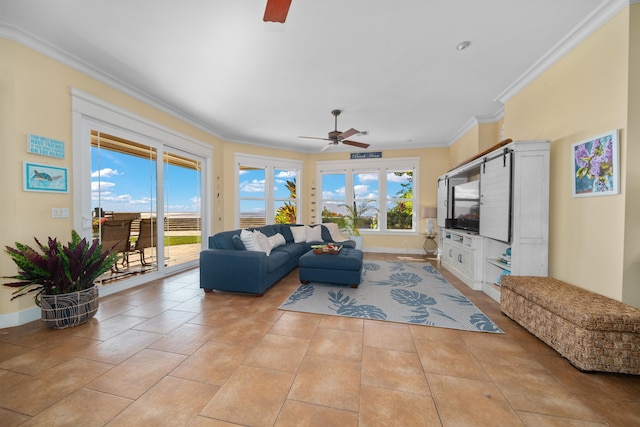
pixel 55 269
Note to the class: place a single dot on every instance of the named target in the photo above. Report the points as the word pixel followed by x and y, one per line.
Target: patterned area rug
pixel 401 292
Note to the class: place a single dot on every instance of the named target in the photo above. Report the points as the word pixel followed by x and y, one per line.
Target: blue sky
pixel 126 183
pixel 252 184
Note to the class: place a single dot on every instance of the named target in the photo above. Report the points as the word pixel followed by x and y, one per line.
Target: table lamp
pixel 429 212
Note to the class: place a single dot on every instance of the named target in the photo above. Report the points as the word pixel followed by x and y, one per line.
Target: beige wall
pixel 488 135
pixel 582 95
pixel 480 138
pixel 36 98
pixel 631 263
pixel 464 148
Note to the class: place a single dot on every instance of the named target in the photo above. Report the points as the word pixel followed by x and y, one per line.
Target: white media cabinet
pixel 514 213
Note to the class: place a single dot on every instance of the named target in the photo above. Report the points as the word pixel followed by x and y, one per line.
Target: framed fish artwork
pixel 50 179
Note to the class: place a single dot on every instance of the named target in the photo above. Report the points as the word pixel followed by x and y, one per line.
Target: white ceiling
pixel 390 65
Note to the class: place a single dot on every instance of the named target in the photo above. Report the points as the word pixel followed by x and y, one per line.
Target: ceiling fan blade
pixel 276 10
pixel 326 147
pixel 347 133
pixel 355 143
pixel 315 137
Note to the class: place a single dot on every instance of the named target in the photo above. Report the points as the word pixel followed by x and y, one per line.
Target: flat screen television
pixel 466 206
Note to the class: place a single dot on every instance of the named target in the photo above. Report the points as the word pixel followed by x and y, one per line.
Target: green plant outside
pixel 177 240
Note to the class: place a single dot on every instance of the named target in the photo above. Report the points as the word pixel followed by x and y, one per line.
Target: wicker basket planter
pixel 67 310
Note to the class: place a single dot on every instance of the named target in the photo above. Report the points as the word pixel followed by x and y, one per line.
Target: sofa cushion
pixel 237 243
pixel 263 242
pixel 333 231
pixel 267 230
pixel 291 249
pixel 299 234
pixel 249 240
pixel 314 234
pixel 285 230
pixel 277 240
pixel 223 240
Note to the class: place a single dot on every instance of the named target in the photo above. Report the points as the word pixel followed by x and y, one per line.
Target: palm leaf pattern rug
pixel 414 293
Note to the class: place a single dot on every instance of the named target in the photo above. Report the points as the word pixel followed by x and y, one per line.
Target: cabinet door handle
pixel 450 253
pixel 460 258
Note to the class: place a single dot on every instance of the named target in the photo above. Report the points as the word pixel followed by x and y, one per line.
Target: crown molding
pixel 577 35
pixel 39 45
pixel 476 121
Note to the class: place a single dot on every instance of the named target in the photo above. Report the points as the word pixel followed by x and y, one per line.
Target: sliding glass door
pixel 182 177
pixel 123 202
pixel 150 212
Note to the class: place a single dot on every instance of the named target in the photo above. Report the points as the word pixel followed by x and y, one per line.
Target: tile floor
pixel 168 354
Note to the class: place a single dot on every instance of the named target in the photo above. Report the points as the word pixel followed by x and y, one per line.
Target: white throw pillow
pixel 263 242
pixel 314 234
pixel 299 234
pixel 249 240
pixel 334 231
pixel 276 240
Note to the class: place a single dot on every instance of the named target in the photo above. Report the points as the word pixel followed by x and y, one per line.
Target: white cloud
pixel 105 173
pixel 286 174
pixel 255 186
pixel 404 178
pixel 101 186
pixel 360 190
pixel 367 177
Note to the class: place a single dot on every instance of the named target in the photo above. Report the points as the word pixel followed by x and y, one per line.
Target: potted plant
pixel 61 278
pixel 353 219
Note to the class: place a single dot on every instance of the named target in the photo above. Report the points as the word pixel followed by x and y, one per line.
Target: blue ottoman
pixel 343 268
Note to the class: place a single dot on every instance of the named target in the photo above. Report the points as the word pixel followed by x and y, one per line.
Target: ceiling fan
pixel 335 136
pixel 276 10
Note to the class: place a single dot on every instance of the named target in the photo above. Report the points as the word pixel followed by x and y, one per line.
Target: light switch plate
pixel 59 212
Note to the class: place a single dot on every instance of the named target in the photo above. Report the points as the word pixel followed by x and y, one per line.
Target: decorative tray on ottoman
pixel 326 249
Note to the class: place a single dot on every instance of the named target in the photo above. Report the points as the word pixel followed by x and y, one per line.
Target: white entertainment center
pixel 497 221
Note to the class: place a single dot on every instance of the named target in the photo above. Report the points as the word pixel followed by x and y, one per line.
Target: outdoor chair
pixel 115 235
pixel 148 238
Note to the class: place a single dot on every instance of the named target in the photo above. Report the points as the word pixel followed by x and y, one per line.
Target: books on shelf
pixel 505 258
pixel 504 273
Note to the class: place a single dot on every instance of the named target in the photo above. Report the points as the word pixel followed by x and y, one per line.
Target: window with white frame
pixel 383 192
pixel 267 191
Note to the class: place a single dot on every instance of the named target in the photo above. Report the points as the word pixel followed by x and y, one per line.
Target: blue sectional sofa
pixel 228 266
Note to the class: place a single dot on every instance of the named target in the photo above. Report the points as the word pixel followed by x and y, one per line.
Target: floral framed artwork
pixel 50 179
pixel 595 166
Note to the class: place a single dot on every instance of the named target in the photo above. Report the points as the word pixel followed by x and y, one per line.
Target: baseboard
pixel 18 318
pixel 394 251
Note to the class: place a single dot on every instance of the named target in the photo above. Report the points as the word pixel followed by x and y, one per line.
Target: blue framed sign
pixel 45 146
pixel 50 179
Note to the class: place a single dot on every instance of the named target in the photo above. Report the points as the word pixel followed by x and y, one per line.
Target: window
pixel 332 196
pixel 399 203
pixel 365 196
pixel 285 196
pixel 253 202
pixel 383 192
pixel 267 191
